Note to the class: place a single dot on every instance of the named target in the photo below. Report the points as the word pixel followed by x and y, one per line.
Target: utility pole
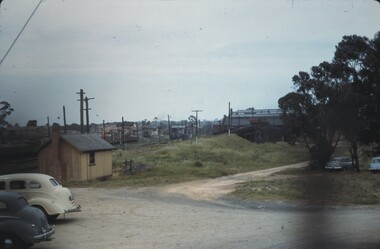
pixel 64 120
pixel 196 123
pixel 104 130
pixel 48 126
pixel 81 93
pixel 137 131
pixel 122 132
pixel 170 134
pixel 87 117
pixel 229 118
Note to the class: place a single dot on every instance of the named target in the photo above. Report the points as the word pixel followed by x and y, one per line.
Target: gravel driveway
pixel 164 217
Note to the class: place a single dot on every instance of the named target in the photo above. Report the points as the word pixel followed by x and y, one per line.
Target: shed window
pixel 92 158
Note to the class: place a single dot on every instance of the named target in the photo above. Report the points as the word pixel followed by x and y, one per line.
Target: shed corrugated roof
pixel 87 142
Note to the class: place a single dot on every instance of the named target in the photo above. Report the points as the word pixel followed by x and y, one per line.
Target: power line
pixel 13 43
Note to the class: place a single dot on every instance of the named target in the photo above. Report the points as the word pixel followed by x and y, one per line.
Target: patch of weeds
pixel 198 164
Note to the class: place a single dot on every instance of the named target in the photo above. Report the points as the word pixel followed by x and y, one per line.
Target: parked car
pixel 374 166
pixel 339 163
pixel 41 191
pixel 21 225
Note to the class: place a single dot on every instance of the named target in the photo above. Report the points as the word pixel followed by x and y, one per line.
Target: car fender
pixel 50 207
pixel 14 225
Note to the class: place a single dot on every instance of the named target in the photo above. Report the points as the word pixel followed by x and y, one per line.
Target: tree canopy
pixel 5 110
pixel 341 97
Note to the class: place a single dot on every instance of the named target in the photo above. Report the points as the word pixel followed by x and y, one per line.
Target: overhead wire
pixel 13 43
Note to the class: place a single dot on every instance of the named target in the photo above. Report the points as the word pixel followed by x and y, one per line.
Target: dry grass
pixel 344 188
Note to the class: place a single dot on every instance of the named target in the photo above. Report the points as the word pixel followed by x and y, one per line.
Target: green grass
pixel 207 158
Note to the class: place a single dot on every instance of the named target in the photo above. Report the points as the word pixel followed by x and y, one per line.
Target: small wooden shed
pixel 76 157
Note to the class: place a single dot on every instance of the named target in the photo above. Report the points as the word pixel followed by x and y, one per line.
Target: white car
pixel 374 166
pixel 41 191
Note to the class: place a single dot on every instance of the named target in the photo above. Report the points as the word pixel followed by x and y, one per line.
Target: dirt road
pixel 168 218
pixel 212 189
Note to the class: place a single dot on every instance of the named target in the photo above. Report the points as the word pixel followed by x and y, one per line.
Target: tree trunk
pixel 354 155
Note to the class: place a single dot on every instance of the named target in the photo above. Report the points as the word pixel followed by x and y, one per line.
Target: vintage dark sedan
pixel 21 225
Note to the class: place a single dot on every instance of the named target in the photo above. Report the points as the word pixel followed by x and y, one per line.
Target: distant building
pixel 257 125
pixel 76 157
pixel 251 116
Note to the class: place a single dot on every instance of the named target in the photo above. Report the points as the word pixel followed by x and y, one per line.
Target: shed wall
pixel 102 166
pixel 74 165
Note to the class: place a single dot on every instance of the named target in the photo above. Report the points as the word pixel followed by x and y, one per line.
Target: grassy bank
pixel 207 158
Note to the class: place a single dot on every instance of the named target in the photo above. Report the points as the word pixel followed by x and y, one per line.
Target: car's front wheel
pixel 9 241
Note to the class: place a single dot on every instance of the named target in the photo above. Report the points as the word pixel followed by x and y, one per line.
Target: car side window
pixel 34 185
pixel 3 206
pixel 17 184
pixel 2 185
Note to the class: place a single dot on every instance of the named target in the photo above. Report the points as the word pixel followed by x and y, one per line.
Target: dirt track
pixel 212 189
pixel 168 218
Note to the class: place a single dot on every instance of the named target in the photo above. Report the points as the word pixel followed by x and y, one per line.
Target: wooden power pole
pixel 81 93
pixel 87 115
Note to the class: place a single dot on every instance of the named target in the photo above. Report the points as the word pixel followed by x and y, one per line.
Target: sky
pixel 141 59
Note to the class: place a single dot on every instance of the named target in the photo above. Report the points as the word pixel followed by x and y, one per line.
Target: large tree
pixel 5 110
pixel 350 56
pixel 309 111
pixel 370 86
pixel 341 97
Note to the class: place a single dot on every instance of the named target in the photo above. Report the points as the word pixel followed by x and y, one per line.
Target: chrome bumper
pixel 45 236
pixel 76 209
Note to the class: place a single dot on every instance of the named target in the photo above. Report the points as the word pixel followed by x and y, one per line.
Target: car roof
pixel 29 176
pixel 9 194
pixel 12 200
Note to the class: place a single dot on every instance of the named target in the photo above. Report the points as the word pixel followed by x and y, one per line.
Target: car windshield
pixel 376 160
pixel 54 182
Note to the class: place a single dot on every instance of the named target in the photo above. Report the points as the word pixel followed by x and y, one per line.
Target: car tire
pixel 9 241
